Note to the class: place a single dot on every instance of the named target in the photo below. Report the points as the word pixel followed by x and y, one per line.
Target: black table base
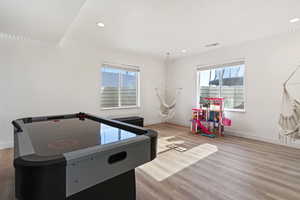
pixel 121 187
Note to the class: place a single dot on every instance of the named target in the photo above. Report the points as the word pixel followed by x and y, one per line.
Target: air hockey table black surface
pixel 79 156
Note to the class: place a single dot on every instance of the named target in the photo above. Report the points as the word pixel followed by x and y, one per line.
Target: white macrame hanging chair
pixel 289 119
pixel 167 111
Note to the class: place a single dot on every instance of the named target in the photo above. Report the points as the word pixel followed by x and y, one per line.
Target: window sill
pixel 235 110
pixel 122 108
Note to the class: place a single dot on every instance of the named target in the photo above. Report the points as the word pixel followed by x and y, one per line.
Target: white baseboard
pixel 9 144
pixel 253 137
pixel 149 123
pixel 246 135
pixel 5 145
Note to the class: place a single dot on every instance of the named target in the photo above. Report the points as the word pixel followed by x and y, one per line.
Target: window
pixel 119 87
pixel 226 81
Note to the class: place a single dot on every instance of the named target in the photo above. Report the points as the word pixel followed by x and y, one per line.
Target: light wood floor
pixel 228 168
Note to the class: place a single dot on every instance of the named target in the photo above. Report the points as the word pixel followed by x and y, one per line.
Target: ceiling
pixel 45 20
pixel 151 27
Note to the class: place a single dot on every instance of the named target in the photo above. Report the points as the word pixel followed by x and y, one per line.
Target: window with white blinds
pixel 119 87
pixel 226 81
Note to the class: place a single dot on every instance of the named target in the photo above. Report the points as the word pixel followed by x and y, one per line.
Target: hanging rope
pixel 167 111
pixel 289 119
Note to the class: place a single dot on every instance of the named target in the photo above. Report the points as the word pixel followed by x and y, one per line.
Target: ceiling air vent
pixel 8 36
pixel 212 44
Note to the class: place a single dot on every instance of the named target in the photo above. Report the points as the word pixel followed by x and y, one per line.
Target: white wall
pixel 269 61
pixel 42 79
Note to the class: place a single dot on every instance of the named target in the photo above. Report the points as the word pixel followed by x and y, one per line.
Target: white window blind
pixel 226 81
pixel 119 87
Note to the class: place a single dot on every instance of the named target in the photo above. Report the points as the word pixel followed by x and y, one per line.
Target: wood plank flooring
pixel 229 168
pixel 6 175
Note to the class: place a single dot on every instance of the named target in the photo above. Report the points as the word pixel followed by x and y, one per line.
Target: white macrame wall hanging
pixel 167 111
pixel 289 119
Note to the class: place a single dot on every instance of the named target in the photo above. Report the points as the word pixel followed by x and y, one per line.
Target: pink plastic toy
pixel 209 119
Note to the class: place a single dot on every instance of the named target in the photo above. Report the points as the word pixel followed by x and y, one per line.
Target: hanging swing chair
pixel 289 119
pixel 167 111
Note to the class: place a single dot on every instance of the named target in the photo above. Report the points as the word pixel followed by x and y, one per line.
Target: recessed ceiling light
pixel 183 50
pixel 100 24
pixel 294 20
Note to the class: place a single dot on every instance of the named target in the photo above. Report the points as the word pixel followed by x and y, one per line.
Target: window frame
pixel 125 68
pixel 218 66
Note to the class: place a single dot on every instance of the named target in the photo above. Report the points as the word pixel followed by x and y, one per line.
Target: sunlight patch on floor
pixel 165 141
pixel 171 162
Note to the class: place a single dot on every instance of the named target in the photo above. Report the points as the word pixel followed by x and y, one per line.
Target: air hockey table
pixel 79 156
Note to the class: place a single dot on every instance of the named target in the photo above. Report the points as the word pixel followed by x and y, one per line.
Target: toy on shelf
pixel 209 120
